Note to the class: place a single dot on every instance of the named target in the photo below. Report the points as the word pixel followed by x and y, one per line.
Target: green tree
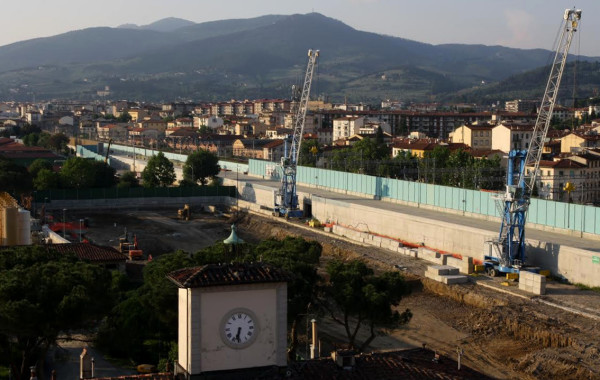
pixel 38 165
pixel 204 130
pixel 142 326
pixel 104 175
pixel 46 180
pixel 58 142
pixel 14 178
pixel 201 166
pixel 127 180
pixel 31 139
pixel 77 173
pixel 44 294
pixel 124 117
pixel 309 151
pixel 158 172
pixel 300 258
pixel 432 163
pixel 361 299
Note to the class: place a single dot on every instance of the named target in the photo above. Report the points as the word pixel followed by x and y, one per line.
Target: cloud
pixel 518 27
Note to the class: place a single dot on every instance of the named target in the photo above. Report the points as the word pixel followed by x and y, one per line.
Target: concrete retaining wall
pixel 576 265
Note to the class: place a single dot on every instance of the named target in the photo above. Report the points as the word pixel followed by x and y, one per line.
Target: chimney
pixel 85 364
pixel 343 358
pixel 314 347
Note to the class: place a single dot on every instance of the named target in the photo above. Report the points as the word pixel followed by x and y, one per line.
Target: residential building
pixel 577 140
pixel 255 148
pixel 507 137
pixel 345 127
pixel 477 136
pixel 522 105
pixel 112 131
pixel 211 121
pixel 554 175
pixel 325 136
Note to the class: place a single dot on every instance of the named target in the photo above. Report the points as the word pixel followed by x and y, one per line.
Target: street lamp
pixel 64 226
pixel 80 226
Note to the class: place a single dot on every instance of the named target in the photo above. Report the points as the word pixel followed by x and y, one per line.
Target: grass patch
pixel 585 287
pixel 4 372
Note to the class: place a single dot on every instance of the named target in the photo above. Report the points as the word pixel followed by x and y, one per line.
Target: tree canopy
pixel 159 171
pixel 14 179
pixel 44 294
pixel 201 166
pixel 361 298
pixel 81 173
pixel 141 326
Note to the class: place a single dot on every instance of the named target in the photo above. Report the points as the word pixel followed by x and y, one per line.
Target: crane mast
pixel 510 246
pixel 286 199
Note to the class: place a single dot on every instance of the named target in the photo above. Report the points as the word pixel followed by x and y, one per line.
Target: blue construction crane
pixel 508 250
pixel 286 199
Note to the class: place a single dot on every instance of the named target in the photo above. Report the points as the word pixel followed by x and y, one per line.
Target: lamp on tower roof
pixel 233 245
pixel 233 238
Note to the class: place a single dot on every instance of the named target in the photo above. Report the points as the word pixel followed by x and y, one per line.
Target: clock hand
pixel 237 337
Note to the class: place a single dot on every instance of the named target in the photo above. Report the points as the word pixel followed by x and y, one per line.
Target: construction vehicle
pixel 286 198
pixel 507 253
pixel 130 248
pixel 184 213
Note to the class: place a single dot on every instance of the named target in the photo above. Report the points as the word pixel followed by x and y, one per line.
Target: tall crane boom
pixel 542 124
pixel 300 116
pixel 286 199
pixel 514 203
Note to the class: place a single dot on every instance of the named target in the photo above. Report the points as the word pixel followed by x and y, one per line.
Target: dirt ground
pixel 503 336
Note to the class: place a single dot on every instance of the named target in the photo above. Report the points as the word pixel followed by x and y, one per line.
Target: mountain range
pixel 175 59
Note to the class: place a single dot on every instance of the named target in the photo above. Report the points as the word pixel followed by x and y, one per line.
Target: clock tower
pixel 231 317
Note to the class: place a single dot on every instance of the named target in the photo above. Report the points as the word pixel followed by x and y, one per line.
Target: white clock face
pixel 239 328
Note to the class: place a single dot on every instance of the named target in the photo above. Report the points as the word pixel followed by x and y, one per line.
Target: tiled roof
pixel 406 364
pixel 146 376
pixel 273 144
pixel 90 252
pixel 227 274
pixel 86 251
pixel 518 127
pixel 485 152
pixel 562 164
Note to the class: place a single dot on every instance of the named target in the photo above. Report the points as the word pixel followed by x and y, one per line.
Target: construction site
pixel 508 304
pixel 502 331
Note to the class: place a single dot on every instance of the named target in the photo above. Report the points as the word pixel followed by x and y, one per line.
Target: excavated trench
pixel 547 343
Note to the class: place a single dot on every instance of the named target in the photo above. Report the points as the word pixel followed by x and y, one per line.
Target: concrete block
pixel 327 229
pixel 454 279
pixel 442 270
pixel 443 259
pixel 433 276
pixel 428 254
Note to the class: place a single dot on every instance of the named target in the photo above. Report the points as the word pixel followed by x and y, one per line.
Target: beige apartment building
pixel 575 141
pixel 507 137
pixel 553 177
pixel 475 136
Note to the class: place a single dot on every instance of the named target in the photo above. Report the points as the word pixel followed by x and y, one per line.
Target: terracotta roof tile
pixel 90 252
pixel 227 274
pixel 406 364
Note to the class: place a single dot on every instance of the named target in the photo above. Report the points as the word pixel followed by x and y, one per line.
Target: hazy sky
pixel 513 23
